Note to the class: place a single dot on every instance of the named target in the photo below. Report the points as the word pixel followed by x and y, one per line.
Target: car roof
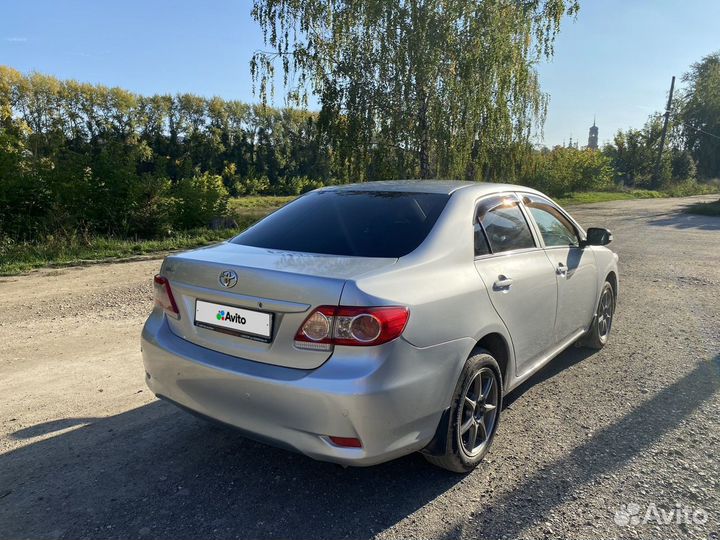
pixel 446 187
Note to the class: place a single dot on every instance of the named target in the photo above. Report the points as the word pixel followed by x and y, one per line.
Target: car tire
pixel 599 332
pixel 475 412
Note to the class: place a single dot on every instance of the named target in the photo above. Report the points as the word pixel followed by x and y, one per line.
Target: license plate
pixel 233 320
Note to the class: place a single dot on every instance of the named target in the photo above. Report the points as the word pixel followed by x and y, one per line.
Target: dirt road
pixel 595 446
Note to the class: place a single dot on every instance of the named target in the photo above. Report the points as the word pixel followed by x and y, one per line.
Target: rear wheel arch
pixel 448 447
pixel 497 346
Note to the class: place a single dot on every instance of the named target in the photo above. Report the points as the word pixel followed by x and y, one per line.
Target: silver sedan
pixel 364 322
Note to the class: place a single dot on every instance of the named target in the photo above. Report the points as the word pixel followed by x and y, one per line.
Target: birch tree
pixel 415 87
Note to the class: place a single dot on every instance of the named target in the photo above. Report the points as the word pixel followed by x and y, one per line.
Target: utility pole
pixel 658 164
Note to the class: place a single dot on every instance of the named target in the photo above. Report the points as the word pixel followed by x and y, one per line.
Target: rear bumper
pixel 391 397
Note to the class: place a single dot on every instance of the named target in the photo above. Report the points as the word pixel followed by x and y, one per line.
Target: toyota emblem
pixel 228 278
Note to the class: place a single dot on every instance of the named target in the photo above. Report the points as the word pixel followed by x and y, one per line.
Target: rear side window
pixel 501 226
pixel 351 223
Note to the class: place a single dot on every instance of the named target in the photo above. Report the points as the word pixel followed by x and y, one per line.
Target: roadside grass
pixel 256 207
pixel 20 257
pixel 260 201
pixel 588 197
pixel 704 209
pixel 680 189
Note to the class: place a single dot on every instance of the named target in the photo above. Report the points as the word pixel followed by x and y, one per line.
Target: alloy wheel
pixel 605 313
pixel 478 412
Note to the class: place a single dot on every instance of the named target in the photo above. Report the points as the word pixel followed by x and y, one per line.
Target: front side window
pixel 349 223
pixel 555 228
pixel 500 226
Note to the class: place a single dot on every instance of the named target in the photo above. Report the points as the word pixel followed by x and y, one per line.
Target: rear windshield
pixel 352 223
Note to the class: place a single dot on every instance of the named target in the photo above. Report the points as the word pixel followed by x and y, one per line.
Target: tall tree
pixel 634 153
pixel 700 114
pixel 443 87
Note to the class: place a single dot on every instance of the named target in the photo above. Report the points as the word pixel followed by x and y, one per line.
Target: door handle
pixel 503 283
pixel 561 269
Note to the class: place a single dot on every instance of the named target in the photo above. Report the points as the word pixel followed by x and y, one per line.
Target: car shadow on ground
pixel 604 453
pixel 683 221
pixel 570 357
pixel 53 426
pixel 157 472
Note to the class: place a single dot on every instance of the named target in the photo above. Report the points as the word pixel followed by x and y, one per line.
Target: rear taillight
pixel 164 296
pixel 355 326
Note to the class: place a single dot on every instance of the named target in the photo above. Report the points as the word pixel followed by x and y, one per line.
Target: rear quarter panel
pixel 438 282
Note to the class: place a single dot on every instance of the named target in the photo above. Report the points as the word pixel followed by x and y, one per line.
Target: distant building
pixel 571 144
pixel 593 137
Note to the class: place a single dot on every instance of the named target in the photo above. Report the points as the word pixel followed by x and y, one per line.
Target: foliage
pixel 699 111
pixel 693 142
pixel 634 152
pixel 588 197
pixel 633 155
pixel 62 250
pixel 252 186
pixel 690 187
pixel 242 203
pixel 415 88
pixel 298 185
pixel 199 199
pixel 80 161
pixel 81 158
pixel 564 170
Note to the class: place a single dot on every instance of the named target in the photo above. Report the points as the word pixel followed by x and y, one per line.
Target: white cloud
pixel 15 39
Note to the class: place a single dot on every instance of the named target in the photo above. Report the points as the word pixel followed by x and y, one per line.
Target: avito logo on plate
pixel 230 317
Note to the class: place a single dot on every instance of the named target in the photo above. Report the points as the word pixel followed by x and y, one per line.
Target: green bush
pixel 252 186
pixel 688 188
pixel 565 170
pixel 297 185
pixel 198 200
pixel 682 164
pixel 153 208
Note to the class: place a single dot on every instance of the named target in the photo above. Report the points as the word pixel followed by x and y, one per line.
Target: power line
pixel 705 132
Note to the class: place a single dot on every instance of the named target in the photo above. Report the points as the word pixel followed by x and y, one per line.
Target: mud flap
pixel 438 445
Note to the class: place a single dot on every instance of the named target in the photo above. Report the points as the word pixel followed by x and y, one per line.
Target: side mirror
pixel 597 236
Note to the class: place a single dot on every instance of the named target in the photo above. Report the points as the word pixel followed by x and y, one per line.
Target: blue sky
pixel 615 60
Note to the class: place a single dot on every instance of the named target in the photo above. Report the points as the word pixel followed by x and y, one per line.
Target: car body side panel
pixel 607 262
pixel 445 303
pixel 528 305
pixel 603 260
pixel 577 289
pixel 439 284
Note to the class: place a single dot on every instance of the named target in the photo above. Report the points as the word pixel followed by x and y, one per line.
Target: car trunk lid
pixel 285 285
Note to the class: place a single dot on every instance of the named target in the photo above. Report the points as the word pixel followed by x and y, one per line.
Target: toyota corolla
pixel 363 322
